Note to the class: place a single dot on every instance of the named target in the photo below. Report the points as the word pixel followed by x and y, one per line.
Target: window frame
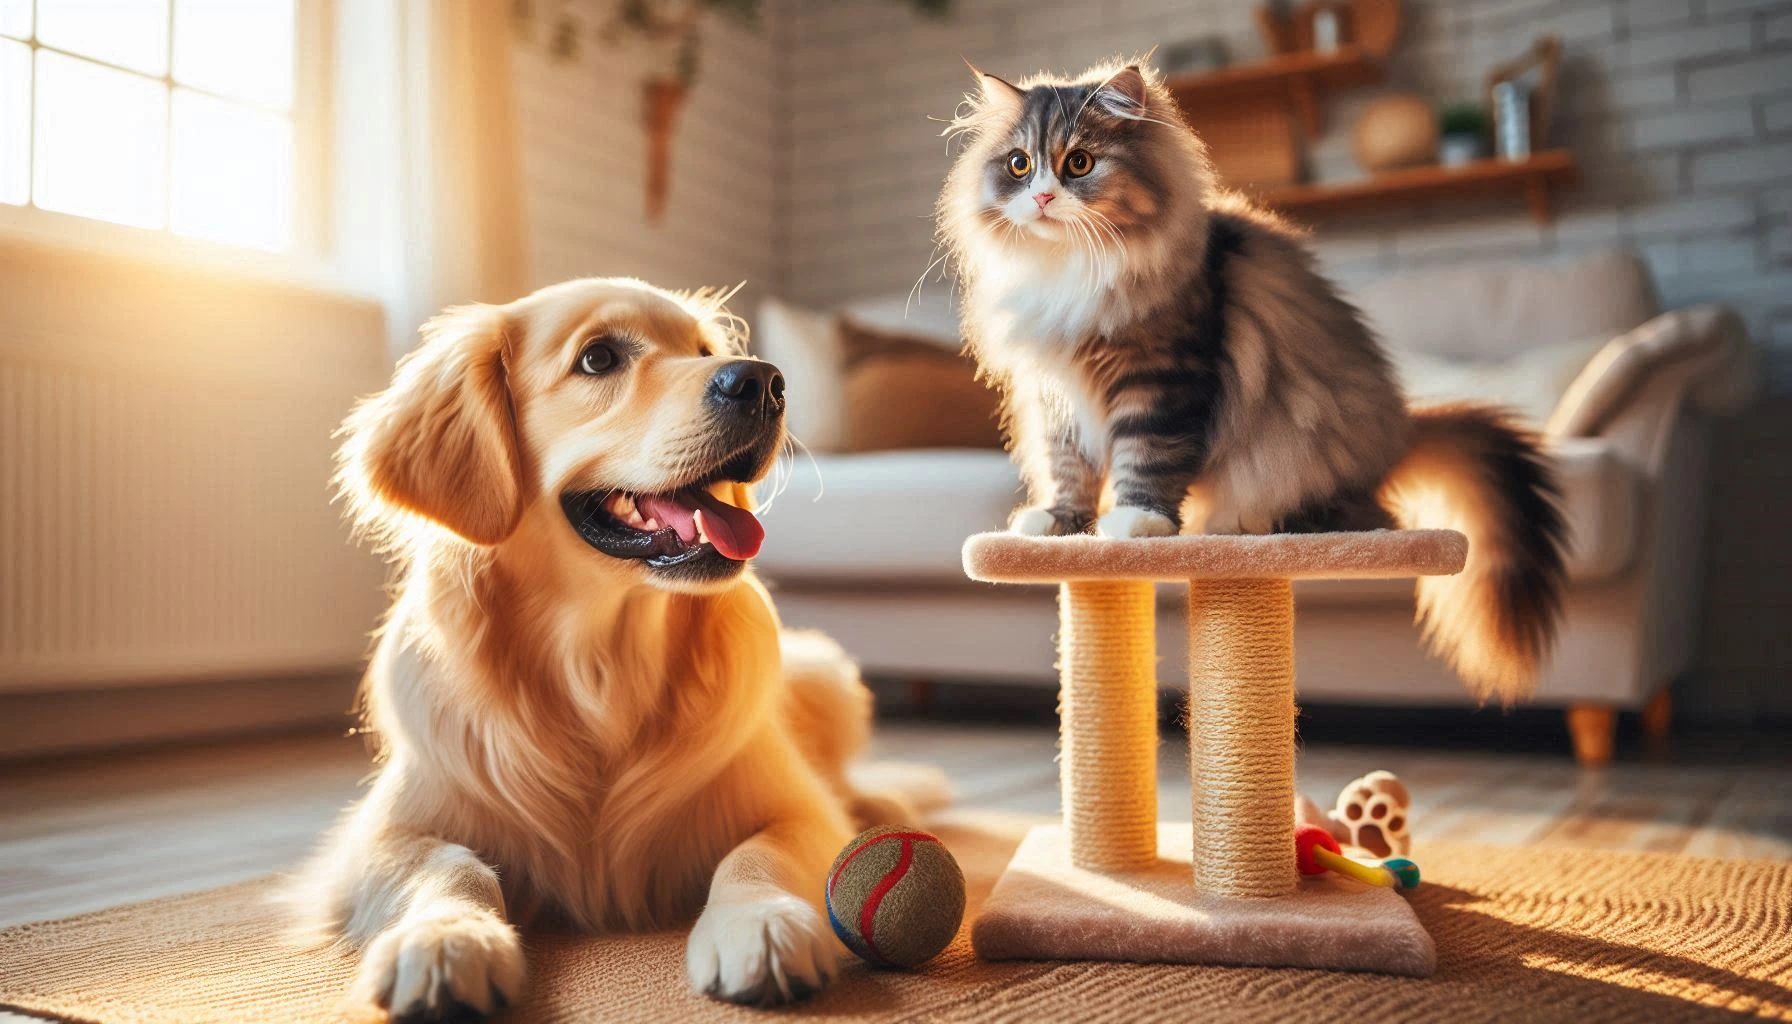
pixel 308 255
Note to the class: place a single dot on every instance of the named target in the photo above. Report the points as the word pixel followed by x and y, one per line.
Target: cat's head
pixel 1092 162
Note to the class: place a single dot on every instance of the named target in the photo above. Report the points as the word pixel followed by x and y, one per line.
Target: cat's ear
pixel 997 92
pixel 1123 94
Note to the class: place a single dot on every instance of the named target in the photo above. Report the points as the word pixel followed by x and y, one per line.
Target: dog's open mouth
pixel 664 530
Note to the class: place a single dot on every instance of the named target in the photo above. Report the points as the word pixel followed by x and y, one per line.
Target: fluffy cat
pixel 1172 355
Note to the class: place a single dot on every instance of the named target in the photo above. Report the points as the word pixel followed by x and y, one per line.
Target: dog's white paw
pixel 442 968
pixel 1127 521
pixel 1034 522
pixel 760 952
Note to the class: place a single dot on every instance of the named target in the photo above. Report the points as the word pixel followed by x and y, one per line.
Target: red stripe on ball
pixel 868 913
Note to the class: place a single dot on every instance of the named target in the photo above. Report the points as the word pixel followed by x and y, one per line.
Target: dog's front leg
pixel 761 939
pixel 430 919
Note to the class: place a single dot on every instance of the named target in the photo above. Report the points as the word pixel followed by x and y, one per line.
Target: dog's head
pixel 623 415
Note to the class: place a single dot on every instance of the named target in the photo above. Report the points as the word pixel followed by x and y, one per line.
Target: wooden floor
pixel 78 835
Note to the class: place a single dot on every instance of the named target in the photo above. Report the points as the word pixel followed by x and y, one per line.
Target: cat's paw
pixel 1037 521
pixel 1127 521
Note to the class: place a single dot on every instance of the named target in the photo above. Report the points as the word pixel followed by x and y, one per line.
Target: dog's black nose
pixel 748 385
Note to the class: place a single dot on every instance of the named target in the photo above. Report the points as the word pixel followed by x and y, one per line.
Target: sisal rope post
pixel 1107 665
pixel 1241 735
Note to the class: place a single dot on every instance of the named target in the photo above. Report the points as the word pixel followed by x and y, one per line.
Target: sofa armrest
pixel 1632 391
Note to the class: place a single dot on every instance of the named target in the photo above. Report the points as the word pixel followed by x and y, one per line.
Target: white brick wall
pixel 584 166
pixel 1680 112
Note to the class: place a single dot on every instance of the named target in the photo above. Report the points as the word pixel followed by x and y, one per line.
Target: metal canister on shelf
pixel 1326 30
pixel 1512 119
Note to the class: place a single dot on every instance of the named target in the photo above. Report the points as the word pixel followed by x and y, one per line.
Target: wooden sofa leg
pixel 1658 718
pixel 1592 727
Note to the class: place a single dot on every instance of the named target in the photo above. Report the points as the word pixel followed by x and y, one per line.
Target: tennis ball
pixel 895 896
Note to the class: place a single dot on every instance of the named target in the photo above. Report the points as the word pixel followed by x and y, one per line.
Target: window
pixel 178 115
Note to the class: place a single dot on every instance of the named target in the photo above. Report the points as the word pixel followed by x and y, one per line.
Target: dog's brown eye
pixel 1019 163
pixel 1078 163
pixel 597 358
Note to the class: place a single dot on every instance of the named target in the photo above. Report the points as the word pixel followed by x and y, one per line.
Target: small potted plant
pixel 1462 133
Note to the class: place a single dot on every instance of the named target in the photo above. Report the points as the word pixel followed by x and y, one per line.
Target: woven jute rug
pixel 1522 935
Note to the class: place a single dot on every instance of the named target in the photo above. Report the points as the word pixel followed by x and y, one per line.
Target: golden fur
pixel 562 735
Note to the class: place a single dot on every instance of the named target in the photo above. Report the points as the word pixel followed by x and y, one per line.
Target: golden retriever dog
pixel 585 711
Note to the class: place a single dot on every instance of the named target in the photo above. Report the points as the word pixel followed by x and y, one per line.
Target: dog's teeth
pixel 651 525
pixel 702 534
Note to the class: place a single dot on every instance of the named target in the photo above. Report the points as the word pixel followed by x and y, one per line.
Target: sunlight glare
pixel 237 48
pixel 15 123
pixel 232 172
pixel 130 33
pixel 15 18
pixel 99 142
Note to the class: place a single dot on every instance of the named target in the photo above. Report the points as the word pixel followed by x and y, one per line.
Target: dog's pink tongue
pixel 671 512
pixel 734 531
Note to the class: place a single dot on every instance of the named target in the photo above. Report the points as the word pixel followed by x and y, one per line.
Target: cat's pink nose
pixel 1043 197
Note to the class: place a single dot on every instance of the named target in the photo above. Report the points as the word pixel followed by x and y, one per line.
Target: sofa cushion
pixel 903 393
pixel 807 347
pixel 903 516
pixel 1491 311
pixel 900 515
pixel 1531 382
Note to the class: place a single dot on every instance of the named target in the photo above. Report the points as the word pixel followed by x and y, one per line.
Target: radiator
pixel 165 454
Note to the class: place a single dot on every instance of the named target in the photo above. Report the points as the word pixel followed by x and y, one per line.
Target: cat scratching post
pixel 1111 883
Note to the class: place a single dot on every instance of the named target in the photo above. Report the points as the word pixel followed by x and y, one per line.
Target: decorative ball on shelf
pixel 895 896
pixel 1394 131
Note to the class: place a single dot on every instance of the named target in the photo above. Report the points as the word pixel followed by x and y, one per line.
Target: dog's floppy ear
pixel 441 442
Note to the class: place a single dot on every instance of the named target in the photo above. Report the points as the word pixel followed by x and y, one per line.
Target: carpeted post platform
pixel 1227 889
pixel 1522 935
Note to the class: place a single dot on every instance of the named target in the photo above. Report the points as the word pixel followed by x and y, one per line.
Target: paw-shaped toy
pixel 1374 810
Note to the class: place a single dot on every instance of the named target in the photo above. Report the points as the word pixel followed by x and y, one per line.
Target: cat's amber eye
pixel 1019 163
pixel 1078 163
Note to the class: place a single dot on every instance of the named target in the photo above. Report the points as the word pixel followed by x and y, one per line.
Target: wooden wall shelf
pixel 1534 179
pixel 1298 76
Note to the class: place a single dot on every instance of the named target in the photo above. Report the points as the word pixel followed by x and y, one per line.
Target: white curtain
pixel 429 197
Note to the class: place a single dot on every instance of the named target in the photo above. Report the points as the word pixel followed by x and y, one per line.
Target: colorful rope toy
pixel 1405 872
pixel 1316 852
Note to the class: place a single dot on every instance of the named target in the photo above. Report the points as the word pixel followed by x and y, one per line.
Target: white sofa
pixel 866 546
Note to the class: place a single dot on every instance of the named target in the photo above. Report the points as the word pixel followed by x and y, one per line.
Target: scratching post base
pixel 1043 908
pixel 1108 885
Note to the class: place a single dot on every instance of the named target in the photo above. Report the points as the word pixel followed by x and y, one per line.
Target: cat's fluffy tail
pixel 1471 469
